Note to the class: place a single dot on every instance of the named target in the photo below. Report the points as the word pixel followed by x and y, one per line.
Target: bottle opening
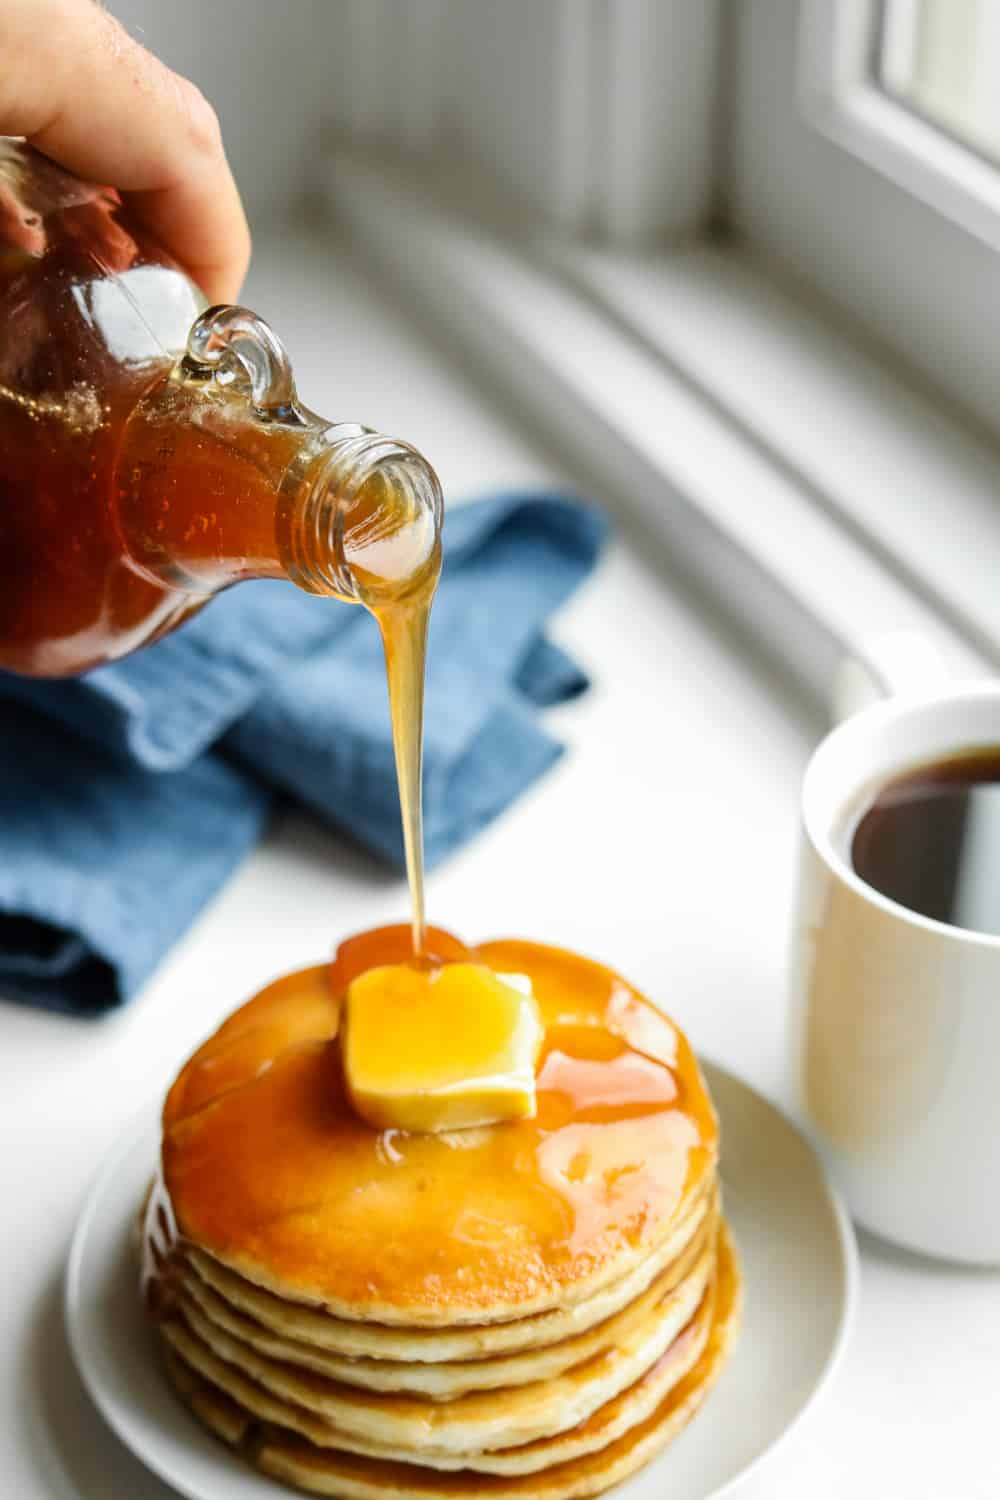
pixel 389 531
pixel 368 525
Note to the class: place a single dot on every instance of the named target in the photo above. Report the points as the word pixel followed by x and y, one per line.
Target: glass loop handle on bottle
pixel 242 352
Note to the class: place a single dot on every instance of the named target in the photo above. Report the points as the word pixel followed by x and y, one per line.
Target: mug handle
pixel 898 663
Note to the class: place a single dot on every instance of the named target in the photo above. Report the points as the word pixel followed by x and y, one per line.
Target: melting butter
pixel 440 1049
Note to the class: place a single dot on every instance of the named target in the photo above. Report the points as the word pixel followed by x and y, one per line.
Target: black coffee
pixel 931 840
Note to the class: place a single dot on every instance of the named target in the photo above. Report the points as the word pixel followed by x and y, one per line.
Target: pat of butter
pixel 440 1049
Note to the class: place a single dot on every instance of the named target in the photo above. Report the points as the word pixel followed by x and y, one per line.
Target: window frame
pixel 840 96
pixel 816 186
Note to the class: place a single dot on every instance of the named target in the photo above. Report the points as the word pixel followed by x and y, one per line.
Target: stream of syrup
pixel 404 637
pixel 394 552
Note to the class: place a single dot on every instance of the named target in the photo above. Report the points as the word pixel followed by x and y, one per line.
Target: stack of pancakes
pixel 533 1308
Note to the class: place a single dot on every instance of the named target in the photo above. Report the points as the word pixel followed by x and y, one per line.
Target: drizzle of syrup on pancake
pixel 266 1166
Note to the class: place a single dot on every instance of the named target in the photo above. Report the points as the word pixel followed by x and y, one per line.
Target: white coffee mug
pixel 895 1028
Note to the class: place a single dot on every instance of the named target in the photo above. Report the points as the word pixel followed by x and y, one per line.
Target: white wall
pixel 596 115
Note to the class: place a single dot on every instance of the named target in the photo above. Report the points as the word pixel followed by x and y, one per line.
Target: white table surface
pixel 664 843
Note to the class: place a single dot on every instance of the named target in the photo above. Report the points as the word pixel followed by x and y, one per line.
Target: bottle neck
pixel 210 490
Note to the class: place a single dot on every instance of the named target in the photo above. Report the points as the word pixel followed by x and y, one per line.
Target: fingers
pixel 88 95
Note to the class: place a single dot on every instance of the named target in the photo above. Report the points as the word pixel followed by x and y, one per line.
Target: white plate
pixel 800 1267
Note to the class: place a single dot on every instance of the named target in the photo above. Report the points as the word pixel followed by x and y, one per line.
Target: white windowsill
pixel 906 477
pixel 830 505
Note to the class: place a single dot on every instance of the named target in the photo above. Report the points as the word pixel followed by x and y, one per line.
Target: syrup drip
pixel 394 552
pixel 404 637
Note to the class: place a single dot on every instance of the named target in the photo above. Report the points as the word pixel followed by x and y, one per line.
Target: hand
pixel 95 101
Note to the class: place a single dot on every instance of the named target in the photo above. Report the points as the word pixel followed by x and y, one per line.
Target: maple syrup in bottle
pixel 153 451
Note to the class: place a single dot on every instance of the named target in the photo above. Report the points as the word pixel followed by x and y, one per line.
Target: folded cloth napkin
pixel 127 796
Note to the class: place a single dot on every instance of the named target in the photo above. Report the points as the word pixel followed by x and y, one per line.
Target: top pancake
pixel 266 1167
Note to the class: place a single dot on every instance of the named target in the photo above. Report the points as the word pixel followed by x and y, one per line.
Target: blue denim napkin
pixel 127 796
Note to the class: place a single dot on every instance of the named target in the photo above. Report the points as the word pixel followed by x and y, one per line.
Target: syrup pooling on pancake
pixel 268 1169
